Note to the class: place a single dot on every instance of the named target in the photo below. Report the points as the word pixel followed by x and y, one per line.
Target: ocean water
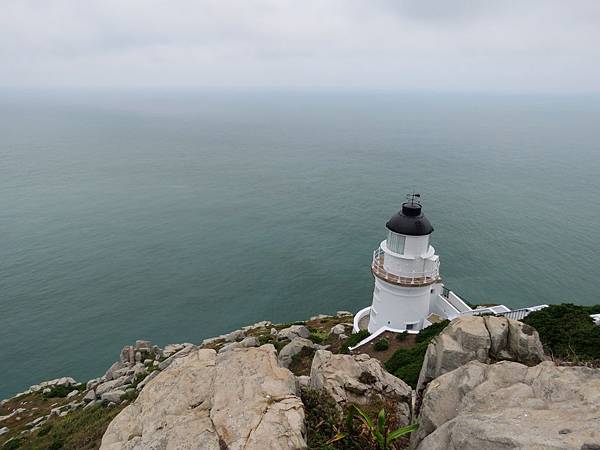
pixel 175 216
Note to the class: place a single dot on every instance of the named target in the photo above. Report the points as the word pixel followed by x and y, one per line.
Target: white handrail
pixel 412 277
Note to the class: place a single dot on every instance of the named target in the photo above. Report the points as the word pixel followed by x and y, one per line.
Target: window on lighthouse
pixel 395 242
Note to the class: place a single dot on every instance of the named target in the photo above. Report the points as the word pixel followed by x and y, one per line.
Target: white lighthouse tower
pixel 409 294
pixel 405 268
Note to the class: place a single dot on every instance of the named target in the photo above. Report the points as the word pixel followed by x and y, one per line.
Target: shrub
pixel 13 444
pixel 317 336
pixel 567 331
pixel 353 339
pixel 402 336
pixel 59 391
pixel 381 345
pixel 322 420
pixel 406 363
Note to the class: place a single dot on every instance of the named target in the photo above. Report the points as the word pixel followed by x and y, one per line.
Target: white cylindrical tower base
pixel 399 307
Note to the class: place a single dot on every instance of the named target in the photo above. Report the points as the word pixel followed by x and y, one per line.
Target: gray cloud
pixel 535 45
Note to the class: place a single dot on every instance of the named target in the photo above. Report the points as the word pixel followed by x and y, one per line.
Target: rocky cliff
pixel 485 383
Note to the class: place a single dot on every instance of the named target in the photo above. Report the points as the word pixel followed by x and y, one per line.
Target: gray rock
pixel 112 396
pixel 303 381
pixel 143 346
pixel 342 337
pixel 64 381
pixel 183 352
pixel 343 314
pixel 4 430
pixel 95 382
pixel 287 353
pixel 292 332
pixel 320 316
pixel 46 390
pixel 171 349
pixel 250 341
pixel 486 339
pixel 146 380
pixel 117 370
pixel 113 384
pixel 257 325
pixel 273 331
pixel 237 399
pixel 360 380
pixel 338 329
pixel 508 405
pixel 72 393
pixel 90 404
pixel 90 396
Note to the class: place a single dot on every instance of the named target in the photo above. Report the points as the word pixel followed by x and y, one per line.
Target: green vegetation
pixel 270 339
pixel 80 429
pixel 377 431
pixel 317 336
pixel 401 337
pixel 567 331
pixel 301 362
pixel 353 340
pixel 381 345
pixel 406 363
pixel 62 391
pixel 13 444
pixel 326 429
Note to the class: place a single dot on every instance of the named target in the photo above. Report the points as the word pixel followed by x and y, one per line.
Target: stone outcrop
pixel 287 353
pixel 508 405
pixel 236 399
pixel 64 381
pixel 293 332
pixel 250 341
pixel 361 380
pixel 486 339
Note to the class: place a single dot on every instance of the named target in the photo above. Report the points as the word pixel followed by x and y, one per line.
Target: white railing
pixel 407 278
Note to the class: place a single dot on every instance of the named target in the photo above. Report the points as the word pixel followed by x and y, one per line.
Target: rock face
pixel 486 339
pixel 237 399
pixel 292 332
pixel 511 406
pixel 361 380
pixel 290 350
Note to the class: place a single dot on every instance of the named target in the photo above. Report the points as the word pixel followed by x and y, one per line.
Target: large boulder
pixel 240 399
pixel 508 405
pixel 287 353
pixel 361 380
pixel 292 332
pixel 486 339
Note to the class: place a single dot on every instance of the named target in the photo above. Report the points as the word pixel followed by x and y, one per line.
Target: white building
pixel 409 294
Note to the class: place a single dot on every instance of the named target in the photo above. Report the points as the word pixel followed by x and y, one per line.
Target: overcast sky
pixel 489 45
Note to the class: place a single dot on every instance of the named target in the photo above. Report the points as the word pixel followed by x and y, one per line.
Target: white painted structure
pixel 409 294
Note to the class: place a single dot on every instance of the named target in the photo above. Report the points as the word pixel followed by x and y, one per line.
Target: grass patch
pixel 317 336
pixel 270 339
pixel 567 331
pixel 80 429
pixel 406 363
pixel 301 362
pixel 401 337
pixel 62 391
pixel 353 340
pixel 381 345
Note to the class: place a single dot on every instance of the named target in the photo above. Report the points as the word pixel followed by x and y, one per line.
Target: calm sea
pixel 175 216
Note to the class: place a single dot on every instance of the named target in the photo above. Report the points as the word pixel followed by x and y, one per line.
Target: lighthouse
pixel 406 271
pixel 408 294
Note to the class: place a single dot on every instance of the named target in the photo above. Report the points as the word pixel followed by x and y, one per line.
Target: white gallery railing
pixel 403 278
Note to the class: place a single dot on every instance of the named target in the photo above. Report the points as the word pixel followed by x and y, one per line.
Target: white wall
pixel 416 245
pixel 393 305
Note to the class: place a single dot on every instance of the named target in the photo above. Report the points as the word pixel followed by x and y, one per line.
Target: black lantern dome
pixel 410 220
